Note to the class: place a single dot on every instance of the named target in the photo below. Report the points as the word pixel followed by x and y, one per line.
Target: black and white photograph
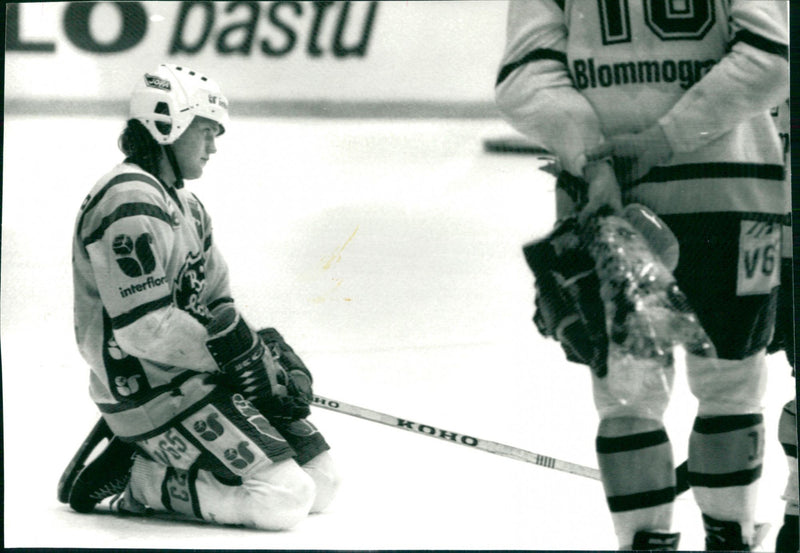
pixel 399 275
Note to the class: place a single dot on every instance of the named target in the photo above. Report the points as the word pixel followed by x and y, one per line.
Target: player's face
pixel 195 146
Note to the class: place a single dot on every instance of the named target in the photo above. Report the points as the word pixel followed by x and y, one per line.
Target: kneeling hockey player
pixel 206 417
pixel 678 96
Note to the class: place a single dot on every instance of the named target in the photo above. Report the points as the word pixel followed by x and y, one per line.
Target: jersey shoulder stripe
pixel 120 179
pixel 126 210
pixel 117 180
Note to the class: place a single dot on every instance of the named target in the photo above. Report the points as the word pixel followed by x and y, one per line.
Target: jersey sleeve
pixel 127 234
pixel 751 78
pixel 534 91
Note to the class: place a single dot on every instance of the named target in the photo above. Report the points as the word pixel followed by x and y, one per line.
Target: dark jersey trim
pixel 762 43
pixel 714 170
pixel 782 218
pixel 536 55
pixel 119 179
pixel 138 312
pixel 123 211
pixel 141 399
pixel 173 421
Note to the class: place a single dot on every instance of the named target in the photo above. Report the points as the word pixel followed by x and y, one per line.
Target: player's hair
pixel 140 147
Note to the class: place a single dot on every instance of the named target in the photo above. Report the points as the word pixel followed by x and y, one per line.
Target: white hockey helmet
pixel 168 99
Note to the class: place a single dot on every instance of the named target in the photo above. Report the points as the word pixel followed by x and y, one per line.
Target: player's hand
pixel 603 189
pixel 636 153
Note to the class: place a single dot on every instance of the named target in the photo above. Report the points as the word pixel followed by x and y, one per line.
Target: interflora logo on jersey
pixel 135 258
pixel 338 29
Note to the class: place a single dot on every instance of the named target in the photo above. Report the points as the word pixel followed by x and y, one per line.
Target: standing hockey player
pixel 789 534
pixel 207 417
pixel 666 104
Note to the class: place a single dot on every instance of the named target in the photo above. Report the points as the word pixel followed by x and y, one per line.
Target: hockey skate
pixel 723 535
pixel 125 504
pixel 107 475
pixel 645 540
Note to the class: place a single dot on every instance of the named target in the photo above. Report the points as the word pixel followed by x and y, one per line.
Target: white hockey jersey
pixel 577 71
pixel 146 274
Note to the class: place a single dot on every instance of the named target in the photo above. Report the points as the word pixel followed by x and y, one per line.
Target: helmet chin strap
pixel 173 162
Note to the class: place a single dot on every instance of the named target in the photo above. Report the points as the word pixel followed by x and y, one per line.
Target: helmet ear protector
pixel 167 100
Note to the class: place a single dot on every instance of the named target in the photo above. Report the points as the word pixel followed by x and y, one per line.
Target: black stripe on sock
pixel 790 450
pixel 738 478
pixel 653 498
pixel 726 423
pixel 632 442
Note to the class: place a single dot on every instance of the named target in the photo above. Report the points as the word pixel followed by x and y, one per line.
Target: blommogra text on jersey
pixel 151 282
pixel 587 73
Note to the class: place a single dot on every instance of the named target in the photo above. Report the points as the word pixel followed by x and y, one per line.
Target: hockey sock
pixel 639 498
pixel 789 535
pixel 787 434
pixel 725 462
pixel 787 540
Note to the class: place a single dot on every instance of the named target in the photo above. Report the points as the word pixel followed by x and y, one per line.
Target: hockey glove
pixel 300 394
pixel 240 355
pixel 567 305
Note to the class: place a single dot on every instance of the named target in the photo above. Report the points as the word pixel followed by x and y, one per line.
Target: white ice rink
pixel 388 254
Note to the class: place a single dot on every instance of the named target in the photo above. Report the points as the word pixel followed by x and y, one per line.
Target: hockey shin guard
pixel 640 498
pixel 787 540
pixel 725 463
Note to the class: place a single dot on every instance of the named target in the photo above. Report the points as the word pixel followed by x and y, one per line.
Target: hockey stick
pixel 460 439
pixel 100 431
pixel 681 473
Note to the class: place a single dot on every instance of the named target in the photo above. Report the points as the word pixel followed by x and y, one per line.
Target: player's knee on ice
pixel 326 478
pixel 280 496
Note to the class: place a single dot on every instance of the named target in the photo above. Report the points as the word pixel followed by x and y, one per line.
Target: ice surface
pixel 388 254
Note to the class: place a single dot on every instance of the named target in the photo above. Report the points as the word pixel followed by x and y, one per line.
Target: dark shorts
pixel 729 269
